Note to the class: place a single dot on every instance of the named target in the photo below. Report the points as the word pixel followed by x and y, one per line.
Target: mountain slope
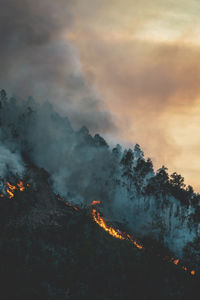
pixel 56 250
pixel 83 168
pixel 49 250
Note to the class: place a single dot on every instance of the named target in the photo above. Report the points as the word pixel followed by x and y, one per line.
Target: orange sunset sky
pixel 143 57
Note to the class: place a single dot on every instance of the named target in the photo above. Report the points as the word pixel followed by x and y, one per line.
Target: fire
pixel 100 221
pixel 112 231
pixel 21 186
pixel 70 205
pixel 134 242
pixel 67 203
pixel 176 261
pixel 11 188
pixel 124 236
pixel 95 202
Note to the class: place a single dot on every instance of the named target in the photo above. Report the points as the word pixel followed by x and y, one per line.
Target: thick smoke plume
pixel 37 59
pixel 10 163
pixel 79 164
pixel 83 168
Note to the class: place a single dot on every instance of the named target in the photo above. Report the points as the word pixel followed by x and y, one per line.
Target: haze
pixel 125 68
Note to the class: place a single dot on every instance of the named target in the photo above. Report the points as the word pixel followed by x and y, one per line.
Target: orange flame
pixel 95 202
pixel 134 242
pixel 114 232
pixel 70 205
pixel 21 186
pixel 124 236
pixel 176 261
pixel 10 190
pixel 100 221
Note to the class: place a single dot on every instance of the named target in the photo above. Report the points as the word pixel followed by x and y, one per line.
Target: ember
pixel 114 232
pixel 95 202
pixel 124 236
pixel 176 261
pixel 100 221
pixel 11 188
pixel 21 186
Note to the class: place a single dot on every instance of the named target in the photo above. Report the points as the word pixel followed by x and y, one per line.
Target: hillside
pixel 49 250
pixel 51 246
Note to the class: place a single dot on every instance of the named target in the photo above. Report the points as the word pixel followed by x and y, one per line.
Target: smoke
pixel 10 163
pixel 81 166
pixel 145 60
pixel 36 59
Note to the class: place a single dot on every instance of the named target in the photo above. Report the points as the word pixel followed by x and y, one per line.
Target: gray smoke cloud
pixel 36 59
pixel 11 163
pixel 80 166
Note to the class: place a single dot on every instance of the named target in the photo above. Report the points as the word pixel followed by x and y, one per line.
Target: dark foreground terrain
pixel 51 251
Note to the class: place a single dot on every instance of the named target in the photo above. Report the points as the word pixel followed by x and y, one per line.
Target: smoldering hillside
pixel 80 165
pixel 83 168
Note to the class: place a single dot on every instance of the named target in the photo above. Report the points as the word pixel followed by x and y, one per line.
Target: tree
pixel 117 152
pixel 176 180
pixel 127 162
pixel 190 190
pixel 138 153
pixel 162 176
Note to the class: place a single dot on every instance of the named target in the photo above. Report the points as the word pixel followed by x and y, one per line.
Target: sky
pixel 143 57
pixel 125 68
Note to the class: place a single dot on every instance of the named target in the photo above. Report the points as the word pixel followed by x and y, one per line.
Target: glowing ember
pixel 10 190
pixel 112 231
pixel 100 221
pixel 95 202
pixel 124 236
pixel 70 205
pixel 21 186
pixel 134 242
pixel 176 261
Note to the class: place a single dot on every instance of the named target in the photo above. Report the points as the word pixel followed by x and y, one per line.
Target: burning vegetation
pixel 112 231
pixel 116 233
pixel 70 245
pixel 111 173
pixel 10 190
pixel 98 219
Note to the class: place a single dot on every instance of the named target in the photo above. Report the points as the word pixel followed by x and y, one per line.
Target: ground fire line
pixel 98 219
pixel 125 236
